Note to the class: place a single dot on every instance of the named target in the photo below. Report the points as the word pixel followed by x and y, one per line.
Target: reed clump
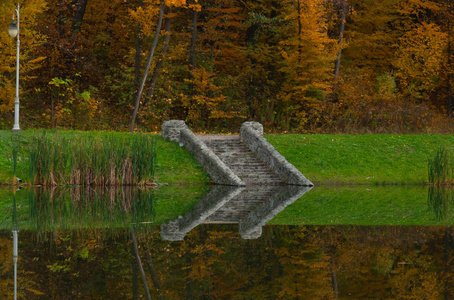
pixel 58 208
pixel 440 168
pixel 106 159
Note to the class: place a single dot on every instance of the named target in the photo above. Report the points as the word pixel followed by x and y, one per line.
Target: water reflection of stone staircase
pixel 250 207
pixel 241 160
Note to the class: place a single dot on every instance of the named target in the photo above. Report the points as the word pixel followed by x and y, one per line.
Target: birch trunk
pixel 147 68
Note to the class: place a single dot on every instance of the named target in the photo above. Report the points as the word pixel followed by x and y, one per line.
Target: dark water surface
pixel 200 244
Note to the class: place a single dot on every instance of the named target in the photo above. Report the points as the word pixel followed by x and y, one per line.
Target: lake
pixel 203 242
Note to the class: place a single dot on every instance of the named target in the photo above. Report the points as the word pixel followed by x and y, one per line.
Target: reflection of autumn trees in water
pixel 316 262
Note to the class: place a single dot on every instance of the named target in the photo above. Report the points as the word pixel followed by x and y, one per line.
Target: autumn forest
pixel 332 66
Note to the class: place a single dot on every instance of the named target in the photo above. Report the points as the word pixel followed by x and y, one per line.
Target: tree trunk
pixel 135 286
pixel 334 282
pixel 450 70
pixel 147 68
pixel 189 286
pixel 139 41
pixel 139 263
pixel 300 30
pixel 341 37
pixel 79 6
pixel 450 66
pixel 154 276
pixel 161 61
pixel 193 40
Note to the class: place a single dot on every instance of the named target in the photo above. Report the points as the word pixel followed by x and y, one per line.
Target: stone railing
pixel 250 226
pixel 178 131
pixel 171 130
pixel 176 230
pixel 251 133
pixel 214 208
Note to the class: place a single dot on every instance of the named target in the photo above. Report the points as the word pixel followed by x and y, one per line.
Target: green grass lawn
pixel 324 159
pixel 361 159
pixel 365 205
pixel 175 165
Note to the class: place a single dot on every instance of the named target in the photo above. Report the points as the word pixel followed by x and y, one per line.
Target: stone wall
pixel 179 132
pixel 251 134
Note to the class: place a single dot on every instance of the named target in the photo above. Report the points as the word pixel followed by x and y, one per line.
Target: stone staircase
pixel 241 160
pixel 242 204
pixel 250 207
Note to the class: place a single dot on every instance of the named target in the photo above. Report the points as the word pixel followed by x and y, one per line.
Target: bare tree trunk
pixel 80 6
pixel 450 66
pixel 189 286
pixel 341 36
pixel 154 276
pixel 300 30
pixel 450 97
pixel 335 285
pixel 139 41
pixel 161 61
pixel 135 286
pixel 193 40
pixel 139 263
pixel 147 68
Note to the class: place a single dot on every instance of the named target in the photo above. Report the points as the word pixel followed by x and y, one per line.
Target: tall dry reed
pixel 440 168
pixel 108 159
pixel 57 208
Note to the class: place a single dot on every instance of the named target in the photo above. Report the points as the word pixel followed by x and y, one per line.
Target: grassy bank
pixel 362 159
pixel 367 205
pixel 173 164
pixel 324 159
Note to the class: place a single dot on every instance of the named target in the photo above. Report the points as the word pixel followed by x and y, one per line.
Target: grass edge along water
pixel 106 159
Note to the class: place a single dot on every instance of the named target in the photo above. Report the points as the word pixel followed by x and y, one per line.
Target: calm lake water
pixel 200 242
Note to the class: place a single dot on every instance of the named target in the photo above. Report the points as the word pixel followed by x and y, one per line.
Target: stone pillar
pixel 255 126
pixel 171 129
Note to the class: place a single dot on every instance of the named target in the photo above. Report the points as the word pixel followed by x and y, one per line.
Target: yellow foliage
pixel 207 98
pixel 30 40
pixel 175 2
pixel 308 61
pixel 420 57
pixel 7 96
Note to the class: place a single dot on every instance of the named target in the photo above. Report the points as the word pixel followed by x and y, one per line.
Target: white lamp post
pixel 15 231
pixel 13 32
pixel 15 243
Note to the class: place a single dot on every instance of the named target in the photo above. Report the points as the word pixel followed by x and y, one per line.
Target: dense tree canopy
pixel 294 65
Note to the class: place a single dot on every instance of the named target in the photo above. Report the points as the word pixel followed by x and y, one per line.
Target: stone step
pixel 241 160
pixel 257 176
